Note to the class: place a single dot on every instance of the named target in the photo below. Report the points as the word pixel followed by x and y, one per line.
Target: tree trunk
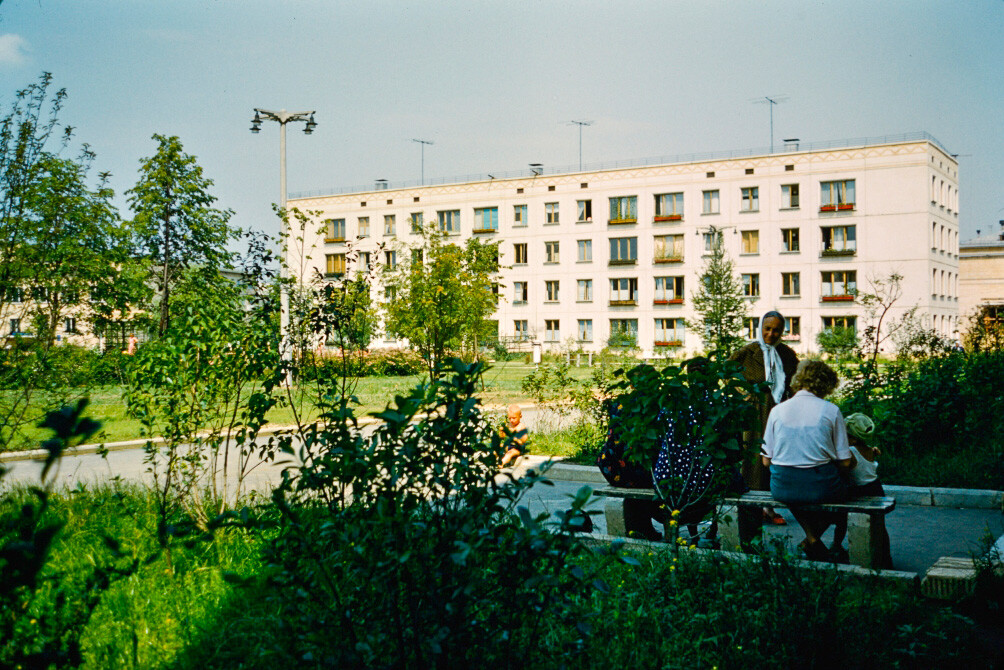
pixel 165 315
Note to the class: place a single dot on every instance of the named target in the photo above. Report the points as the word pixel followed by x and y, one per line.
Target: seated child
pixel 516 431
pixel 864 480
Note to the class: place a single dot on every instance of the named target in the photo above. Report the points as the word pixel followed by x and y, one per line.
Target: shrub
pixel 393 363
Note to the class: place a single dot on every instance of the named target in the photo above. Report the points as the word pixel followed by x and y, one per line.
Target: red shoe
pixel 774 518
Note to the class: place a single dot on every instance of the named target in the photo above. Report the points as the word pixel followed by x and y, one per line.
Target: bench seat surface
pixel 863 505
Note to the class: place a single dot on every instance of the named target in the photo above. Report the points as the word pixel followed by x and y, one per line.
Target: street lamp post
pixel 283 117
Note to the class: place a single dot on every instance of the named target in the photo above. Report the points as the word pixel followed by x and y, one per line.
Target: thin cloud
pixel 13 49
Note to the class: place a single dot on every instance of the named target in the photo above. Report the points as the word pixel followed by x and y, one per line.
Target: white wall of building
pixel 904 215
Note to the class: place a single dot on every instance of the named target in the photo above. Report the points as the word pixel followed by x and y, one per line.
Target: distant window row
pixel 834 196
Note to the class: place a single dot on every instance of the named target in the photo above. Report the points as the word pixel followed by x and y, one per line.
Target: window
pixel 789 196
pixel 750 242
pixel 39 293
pixel 334 265
pixel 486 218
pixel 15 326
pixel 551 330
pixel 839 241
pixel 623 250
pixel 585 208
pixel 711 205
pixel 750 199
pixel 669 332
pixel 364 260
pixel 449 221
pixel 521 330
pixel 519 253
pixel 585 330
pixel 584 290
pixel 551 252
pixel 364 226
pixel 839 284
pixel 750 325
pixel 792 328
pixel 390 259
pixel 623 332
pixel 70 325
pixel 389 225
pixel 840 322
pixel 789 239
pixel 668 290
pixel 712 241
pixel 751 285
pixel 15 294
pixel 624 291
pixel 519 216
pixel 624 209
pixel 585 251
pixel 669 207
pixel 550 213
pixel 790 284
pixel 520 292
pixel 551 290
pixel 417 222
pixel 390 295
pixel 836 196
pixel 335 230
pixel 668 248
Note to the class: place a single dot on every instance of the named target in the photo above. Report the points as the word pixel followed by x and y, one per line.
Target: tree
pixel 442 296
pixel 719 301
pixel 175 223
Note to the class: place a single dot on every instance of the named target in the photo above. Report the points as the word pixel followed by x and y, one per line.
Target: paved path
pixel 919 535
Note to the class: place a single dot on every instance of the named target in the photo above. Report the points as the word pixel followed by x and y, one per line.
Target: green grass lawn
pixel 501 386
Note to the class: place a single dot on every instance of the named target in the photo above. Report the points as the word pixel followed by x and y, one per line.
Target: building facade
pixel 620 249
pixel 981 274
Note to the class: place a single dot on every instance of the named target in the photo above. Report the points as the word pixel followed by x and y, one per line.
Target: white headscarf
pixel 772 366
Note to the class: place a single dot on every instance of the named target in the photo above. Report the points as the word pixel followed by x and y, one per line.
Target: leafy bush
pixel 938 423
pixel 393 363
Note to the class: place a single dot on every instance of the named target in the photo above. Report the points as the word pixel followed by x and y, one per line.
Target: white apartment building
pixel 586 253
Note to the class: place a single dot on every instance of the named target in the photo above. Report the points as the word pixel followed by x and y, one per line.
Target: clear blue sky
pixel 495 84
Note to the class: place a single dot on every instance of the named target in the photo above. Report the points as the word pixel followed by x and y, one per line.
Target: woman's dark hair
pixel 773 315
pixel 816 377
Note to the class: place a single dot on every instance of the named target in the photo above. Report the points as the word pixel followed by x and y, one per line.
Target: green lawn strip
pixel 694 611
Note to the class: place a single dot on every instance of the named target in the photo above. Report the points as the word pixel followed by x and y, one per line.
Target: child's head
pixel 859 428
pixel 515 415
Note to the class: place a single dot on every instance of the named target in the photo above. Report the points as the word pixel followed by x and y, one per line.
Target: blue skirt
pixel 801 486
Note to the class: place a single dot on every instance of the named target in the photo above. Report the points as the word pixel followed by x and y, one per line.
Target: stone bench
pixel 741 519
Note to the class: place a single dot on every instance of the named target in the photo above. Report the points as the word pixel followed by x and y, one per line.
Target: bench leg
pixel 738 526
pixel 613 511
pixel 866 539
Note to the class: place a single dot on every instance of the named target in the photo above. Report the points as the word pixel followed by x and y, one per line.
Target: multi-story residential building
pixel 981 274
pixel 620 248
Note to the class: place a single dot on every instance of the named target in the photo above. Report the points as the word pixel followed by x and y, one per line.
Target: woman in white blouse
pixel 806 449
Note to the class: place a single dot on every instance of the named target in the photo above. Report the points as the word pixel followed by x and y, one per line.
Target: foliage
pixel 719 302
pixel 938 423
pixel 548 382
pixel 985 330
pixel 400 548
pixel 39 625
pixel 704 406
pixel 839 342
pixel 175 224
pixel 622 339
pixel 442 296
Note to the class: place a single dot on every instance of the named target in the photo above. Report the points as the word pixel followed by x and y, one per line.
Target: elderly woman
pixel 805 447
pixel 766 360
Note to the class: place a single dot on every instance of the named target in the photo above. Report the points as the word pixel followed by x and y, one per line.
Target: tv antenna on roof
pixel 580 124
pixel 423 143
pixel 771 100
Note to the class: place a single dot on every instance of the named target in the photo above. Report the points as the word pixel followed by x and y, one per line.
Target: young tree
pixel 175 223
pixel 442 295
pixel 719 301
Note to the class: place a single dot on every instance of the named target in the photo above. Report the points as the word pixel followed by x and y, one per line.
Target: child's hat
pixel 859 426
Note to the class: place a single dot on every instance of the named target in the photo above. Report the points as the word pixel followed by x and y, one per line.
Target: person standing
pixel 768 360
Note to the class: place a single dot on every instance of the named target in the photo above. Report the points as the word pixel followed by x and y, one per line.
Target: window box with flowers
pixel 484 231
pixel 670 343
pixel 623 303
pixel 668 259
pixel 622 222
pixel 671 301
pixel 838 298
pixel 830 253
pixel 828 208
pixel 791 338
pixel 846 206
pixel 668 217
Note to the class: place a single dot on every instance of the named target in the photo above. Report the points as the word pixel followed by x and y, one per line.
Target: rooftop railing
pixel 787 148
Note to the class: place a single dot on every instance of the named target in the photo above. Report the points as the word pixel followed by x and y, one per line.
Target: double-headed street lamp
pixel 283 117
